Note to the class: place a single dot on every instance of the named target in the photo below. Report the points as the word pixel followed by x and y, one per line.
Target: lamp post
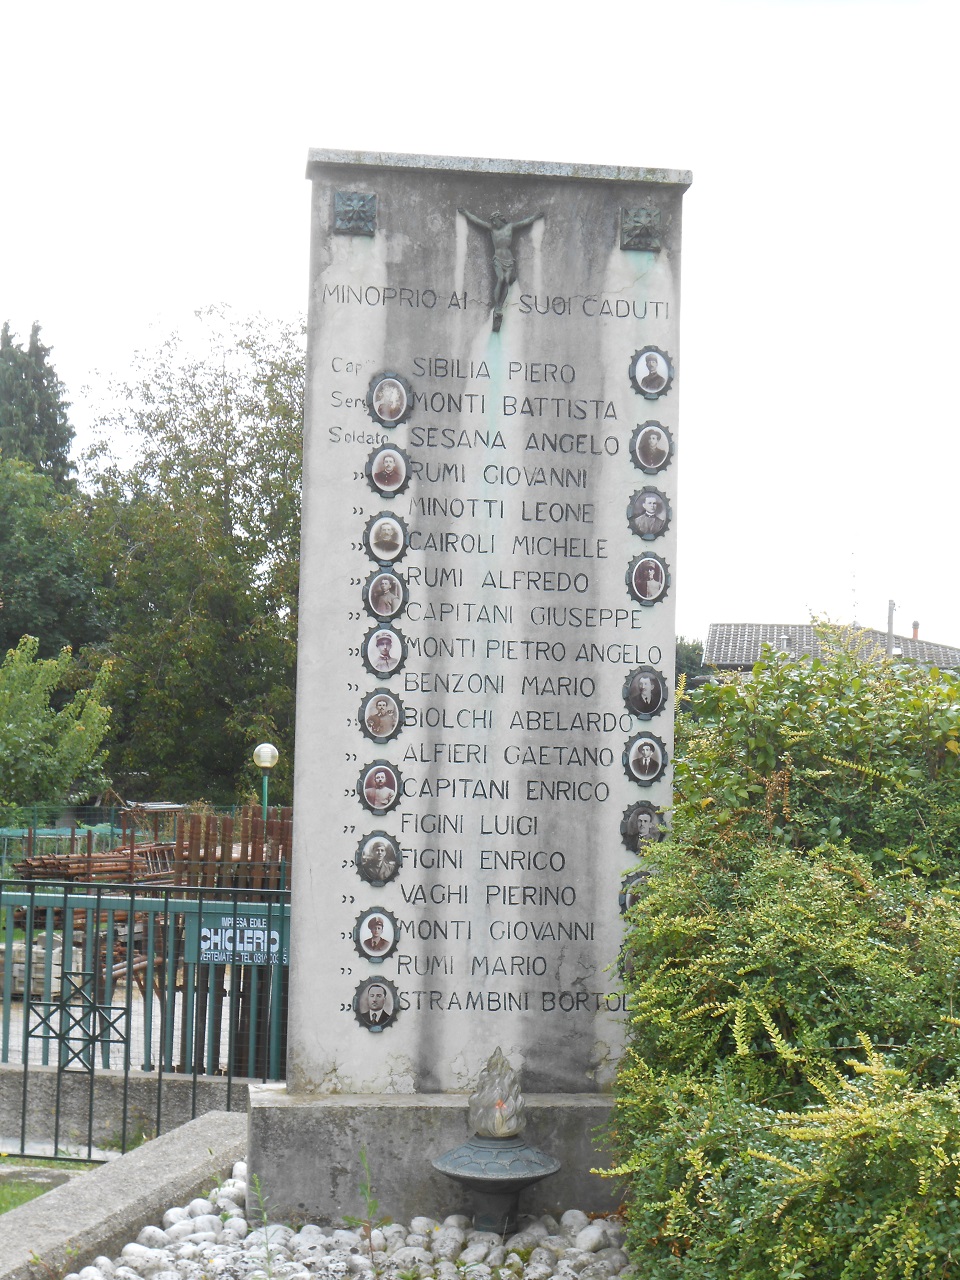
pixel 265 757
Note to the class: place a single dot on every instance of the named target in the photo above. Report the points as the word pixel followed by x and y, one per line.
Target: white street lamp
pixel 265 756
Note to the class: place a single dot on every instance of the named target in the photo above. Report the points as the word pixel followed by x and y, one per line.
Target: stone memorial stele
pixel 486 651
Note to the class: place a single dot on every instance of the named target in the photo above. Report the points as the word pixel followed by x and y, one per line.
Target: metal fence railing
pixel 108 987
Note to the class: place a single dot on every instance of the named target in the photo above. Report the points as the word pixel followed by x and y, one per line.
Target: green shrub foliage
pixel 49 751
pixel 789 1105
pixel 844 746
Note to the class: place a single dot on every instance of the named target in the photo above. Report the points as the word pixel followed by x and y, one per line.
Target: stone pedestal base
pixel 305 1151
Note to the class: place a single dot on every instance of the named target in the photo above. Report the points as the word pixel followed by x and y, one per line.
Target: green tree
pixel 33 412
pixel 49 753
pixel 46 589
pixel 689 659
pixel 198 552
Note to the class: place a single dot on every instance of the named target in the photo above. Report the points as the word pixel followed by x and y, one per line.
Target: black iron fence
pixel 128 1009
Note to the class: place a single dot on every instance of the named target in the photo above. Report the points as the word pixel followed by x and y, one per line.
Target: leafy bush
pixel 49 753
pixel 863 1185
pixel 789 1104
pixel 840 746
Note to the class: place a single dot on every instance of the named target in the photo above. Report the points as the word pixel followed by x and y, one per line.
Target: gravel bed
pixel 212 1239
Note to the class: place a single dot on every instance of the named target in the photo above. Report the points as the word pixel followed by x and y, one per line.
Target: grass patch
pixel 17 1186
pixel 14 1194
pixel 40 1162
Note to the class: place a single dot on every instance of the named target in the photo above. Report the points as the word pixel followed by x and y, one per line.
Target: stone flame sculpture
pixel 496 1108
pixel 496 1164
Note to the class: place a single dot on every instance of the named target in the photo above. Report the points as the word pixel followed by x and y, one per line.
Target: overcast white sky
pixel 152 162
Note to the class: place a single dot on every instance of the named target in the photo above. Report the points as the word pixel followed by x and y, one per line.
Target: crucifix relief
pixel 504 263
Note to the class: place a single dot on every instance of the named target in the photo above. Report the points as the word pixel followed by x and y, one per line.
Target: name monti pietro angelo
pixel 262 937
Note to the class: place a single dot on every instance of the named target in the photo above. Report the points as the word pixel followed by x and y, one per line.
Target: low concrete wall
pixel 306 1152
pixel 102 1211
pixel 180 1096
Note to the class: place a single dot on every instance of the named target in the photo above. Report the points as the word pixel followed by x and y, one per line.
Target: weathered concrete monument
pixel 485 697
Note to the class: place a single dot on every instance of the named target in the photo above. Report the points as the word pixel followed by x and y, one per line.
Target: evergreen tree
pixel 33 413
pixel 46 587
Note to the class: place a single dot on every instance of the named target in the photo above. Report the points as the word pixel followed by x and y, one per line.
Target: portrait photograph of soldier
pixel 652 447
pixel 387 469
pixel 388 398
pixel 384 651
pixel 642 824
pixel 653 380
pixel 646 758
pixel 379 787
pixel 386 538
pixel 374 1004
pixel 375 935
pixel 650 373
pixel 378 858
pixel 648 580
pixel 385 595
pixel 645 692
pixel 648 513
pixel 381 715
pixel 630 890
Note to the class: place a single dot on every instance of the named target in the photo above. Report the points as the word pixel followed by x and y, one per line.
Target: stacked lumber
pixel 208 852
pixel 140 865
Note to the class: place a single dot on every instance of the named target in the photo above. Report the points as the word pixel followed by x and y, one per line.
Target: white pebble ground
pixel 212 1239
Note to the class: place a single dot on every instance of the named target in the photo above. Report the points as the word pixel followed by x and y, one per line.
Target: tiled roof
pixel 738 644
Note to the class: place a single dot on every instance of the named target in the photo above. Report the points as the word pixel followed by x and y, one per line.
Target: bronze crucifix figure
pixel 504 263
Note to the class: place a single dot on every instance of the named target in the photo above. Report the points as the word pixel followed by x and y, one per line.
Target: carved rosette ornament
pixel 496 1108
pixel 354 213
pixel 640 229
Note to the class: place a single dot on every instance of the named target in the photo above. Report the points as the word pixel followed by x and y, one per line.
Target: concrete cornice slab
pixel 318 157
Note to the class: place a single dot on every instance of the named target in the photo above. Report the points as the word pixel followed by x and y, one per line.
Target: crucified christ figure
pixel 504 263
